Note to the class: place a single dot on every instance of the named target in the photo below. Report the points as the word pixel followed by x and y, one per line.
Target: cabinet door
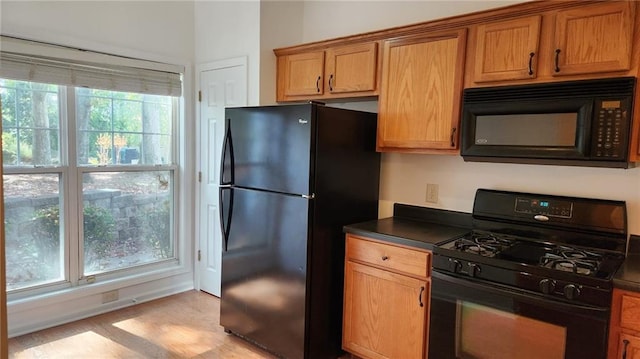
pixel 352 68
pixel 419 102
pixel 629 347
pixel 595 38
pixel 384 313
pixel 303 74
pixel 507 50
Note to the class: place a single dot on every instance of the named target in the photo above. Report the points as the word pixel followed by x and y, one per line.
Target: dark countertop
pixel 414 226
pixel 628 276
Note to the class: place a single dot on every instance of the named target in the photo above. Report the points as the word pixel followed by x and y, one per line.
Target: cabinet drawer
pixel 630 314
pixel 412 262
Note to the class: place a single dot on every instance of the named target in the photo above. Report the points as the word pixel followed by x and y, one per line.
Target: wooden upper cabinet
pixel 335 72
pixel 507 50
pixel 351 68
pixel 593 39
pixel 419 101
pixel 303 74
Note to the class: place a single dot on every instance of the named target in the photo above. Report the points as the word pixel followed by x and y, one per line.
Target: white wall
pixel 326 19
pixel 281 25
pixel 404 176
pixel 229 29
pixel 155 30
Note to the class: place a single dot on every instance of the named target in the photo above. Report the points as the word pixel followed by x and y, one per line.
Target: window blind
pixel 39 62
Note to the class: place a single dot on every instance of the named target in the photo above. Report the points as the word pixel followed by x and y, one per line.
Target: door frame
pixel 200 68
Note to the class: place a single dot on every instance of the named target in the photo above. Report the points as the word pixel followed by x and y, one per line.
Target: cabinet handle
pixel 557 69
pixel 453 132
pixel 318 84
pixel 384 258
pixel 330 83
pixel 531 55
pixel 624 350
pixel 420 297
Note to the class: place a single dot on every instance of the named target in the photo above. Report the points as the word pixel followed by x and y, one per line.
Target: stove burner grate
pixel 572 260
pixel 484 244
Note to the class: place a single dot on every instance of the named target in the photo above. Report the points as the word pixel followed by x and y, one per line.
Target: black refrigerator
pixel 292 176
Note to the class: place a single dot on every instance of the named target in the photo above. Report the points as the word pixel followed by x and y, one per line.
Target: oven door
pixel 472 319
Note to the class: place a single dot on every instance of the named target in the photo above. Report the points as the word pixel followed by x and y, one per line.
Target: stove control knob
pixel 547 286
pixel 455 265
pixel 474 270
pixel 571 291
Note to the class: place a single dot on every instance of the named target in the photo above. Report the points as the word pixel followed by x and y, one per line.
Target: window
pixel 89 175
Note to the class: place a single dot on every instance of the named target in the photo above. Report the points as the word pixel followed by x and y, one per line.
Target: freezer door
pixel 271 147
pixel 264 270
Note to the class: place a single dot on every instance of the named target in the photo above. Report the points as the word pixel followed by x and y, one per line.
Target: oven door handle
pixel 500 290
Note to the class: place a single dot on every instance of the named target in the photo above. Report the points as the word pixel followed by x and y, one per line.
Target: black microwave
pixel 577 123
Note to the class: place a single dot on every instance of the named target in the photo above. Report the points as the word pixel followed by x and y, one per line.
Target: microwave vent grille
pixel 620 86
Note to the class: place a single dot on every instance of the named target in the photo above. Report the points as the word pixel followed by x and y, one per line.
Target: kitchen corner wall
pixel 404 176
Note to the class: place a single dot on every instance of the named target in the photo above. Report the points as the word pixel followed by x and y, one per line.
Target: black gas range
pixel 565 248
pixel 539 259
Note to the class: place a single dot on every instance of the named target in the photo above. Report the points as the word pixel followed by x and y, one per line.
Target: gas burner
pixel 484 244
pixel 573 253
pixel 574 261
pixel 470 246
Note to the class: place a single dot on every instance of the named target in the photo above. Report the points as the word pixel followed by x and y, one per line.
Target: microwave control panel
pixel 611 127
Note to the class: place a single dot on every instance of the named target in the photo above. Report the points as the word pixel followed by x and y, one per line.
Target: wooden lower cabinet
pixel 624 332
pixel 386 305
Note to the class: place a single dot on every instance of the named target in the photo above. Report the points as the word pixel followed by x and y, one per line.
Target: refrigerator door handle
pixel 309 196
pixel 227 144
pixel 225 227
pixel 226 185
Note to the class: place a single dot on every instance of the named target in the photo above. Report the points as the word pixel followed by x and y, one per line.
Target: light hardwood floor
pixel 180 326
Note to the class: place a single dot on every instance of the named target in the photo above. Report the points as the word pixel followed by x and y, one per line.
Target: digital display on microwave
pixel 610 104
pixel 539 130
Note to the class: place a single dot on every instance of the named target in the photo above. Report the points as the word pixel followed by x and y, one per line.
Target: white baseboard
pixel 49 313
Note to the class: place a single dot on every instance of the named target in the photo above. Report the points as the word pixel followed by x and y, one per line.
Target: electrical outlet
pixel 111 296
pixel 432 193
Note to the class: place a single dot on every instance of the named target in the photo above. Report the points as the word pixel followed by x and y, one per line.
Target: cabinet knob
pixel 384 258
pixel 318 83
pixel 331 83
pixel 420 296
pixel 531 55
pixel 557 69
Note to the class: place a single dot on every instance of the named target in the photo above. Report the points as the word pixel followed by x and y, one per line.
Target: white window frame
pixel 71 174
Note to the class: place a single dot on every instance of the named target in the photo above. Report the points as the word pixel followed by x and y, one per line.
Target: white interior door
pixel 222 84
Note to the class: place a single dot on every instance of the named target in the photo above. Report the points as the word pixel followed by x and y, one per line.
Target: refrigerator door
pixel 271 147
pixel 264 270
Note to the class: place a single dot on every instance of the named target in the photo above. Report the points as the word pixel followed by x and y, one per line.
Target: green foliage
pixel 44 230
pixel 155 227
pixel 98 231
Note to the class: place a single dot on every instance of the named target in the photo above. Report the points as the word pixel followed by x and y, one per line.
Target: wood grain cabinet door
pixel 595 38
pixel 351 68
pixel 385 314
pixel 629 347
pixel 507 50
pixel 419 101
pixel 303 74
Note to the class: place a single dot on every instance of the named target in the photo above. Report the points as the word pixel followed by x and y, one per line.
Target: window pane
pixel 123 128
pixel 31 121
pixel 128 219
pixel 34 249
